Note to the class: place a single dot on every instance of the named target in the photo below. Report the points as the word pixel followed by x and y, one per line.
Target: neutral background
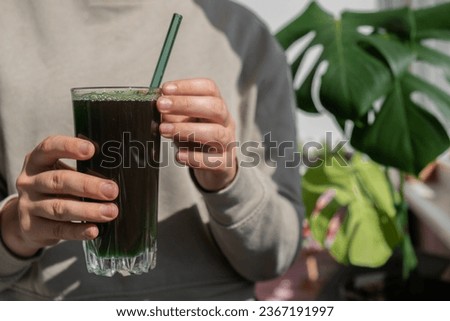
pixel 276 13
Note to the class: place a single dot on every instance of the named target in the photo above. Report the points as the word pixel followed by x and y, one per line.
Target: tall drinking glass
pixel 123 124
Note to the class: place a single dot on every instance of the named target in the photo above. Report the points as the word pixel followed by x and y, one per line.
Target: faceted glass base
pixel 108 266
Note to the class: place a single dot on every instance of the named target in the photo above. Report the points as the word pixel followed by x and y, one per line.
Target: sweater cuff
pixel 234 204
pixel 10 263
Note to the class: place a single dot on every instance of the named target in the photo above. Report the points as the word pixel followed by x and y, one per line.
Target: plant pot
pixel 429 281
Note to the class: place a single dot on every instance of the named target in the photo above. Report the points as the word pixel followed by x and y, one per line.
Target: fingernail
pixel 182 155
pixel 85 148
pixel 108 211
pixel 164 103
pixel 109 190
pixel 166 128
pixel 170 88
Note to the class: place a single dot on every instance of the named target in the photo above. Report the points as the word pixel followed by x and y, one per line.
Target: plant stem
pixel 391 186
pixel 409 259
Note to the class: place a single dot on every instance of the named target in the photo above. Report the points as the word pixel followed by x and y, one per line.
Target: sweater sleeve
pixel 257 228
pixel 257 219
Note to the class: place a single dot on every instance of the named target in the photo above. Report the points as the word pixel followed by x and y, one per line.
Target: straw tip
pixel 165 52
pixel 177 17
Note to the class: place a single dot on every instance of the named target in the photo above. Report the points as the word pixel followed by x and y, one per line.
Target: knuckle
pixel 25 216
pixel 57 181
pixel 25 223
pixel 222 135
pixel 22 182
pixel 220 110
pixel 86 187
pixel 210 86
pixel 57 208
pixel 46 145
pixel 67 145
pixel 184 102
pixel 217 107
pixel 27 159
pixel 223 114
pixel 22 205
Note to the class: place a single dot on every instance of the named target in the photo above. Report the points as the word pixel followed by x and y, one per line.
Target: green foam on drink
pixel 111 94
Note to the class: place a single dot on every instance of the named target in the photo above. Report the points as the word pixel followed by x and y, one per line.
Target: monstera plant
pixel 363 78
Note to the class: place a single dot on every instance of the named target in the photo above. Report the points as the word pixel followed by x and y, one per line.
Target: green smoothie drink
pixel 123 124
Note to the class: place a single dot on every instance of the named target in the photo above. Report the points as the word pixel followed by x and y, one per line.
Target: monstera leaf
pixel 368 230
pixel 368 58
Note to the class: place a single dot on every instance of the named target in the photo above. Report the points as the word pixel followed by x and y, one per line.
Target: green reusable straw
pixel 166 49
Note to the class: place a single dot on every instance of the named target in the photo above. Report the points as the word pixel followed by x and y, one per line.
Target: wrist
pixel 213 180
